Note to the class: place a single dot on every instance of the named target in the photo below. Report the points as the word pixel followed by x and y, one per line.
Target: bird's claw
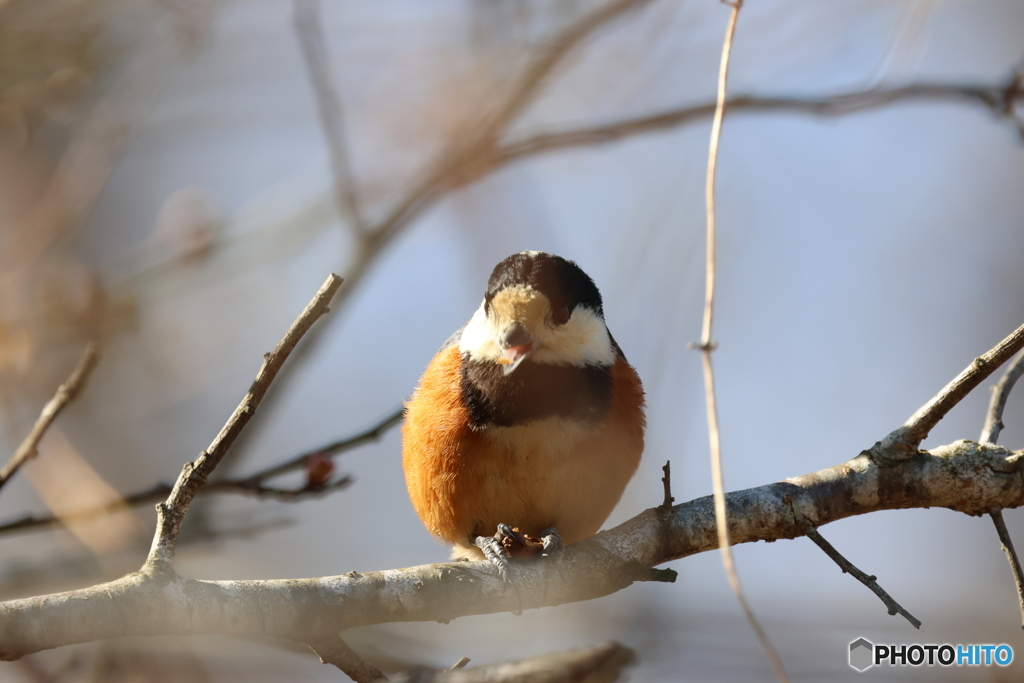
pixel 551 540
pixel 495 553
pixel 508 541
pixel 507 535
pixel 554 549
pixel 494 550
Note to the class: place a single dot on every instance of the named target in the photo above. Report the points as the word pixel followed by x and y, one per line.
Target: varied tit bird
pixel 528 421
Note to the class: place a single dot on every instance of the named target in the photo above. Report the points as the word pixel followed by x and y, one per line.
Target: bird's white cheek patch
pixel 478 338
pixel 583 340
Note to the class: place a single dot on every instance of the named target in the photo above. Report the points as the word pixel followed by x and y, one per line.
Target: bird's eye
pixel 561 315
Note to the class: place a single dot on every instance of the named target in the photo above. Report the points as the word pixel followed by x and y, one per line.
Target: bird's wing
pixel 452 340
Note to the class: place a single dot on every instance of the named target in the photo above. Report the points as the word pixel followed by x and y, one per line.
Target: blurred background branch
pixel 170 185
pixel 66 393
pixel 1000 100
pixel 316 465
pixel 314 50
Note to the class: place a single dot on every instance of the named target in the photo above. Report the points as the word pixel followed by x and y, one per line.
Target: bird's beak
pixel 517 344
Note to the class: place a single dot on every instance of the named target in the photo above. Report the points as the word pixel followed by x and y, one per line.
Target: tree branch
pixel 371 434
pixel 333 650
pixel 989 434
pixel 1011 556
pixel 253 484
pixel 307 26
pixel 548 56
pixel 869 581
pixel 461 664
pixel 171 513
pixel 965 476
pixel 707 346
pixel 993 98
pixel 1000 393
pixel 471 157
pixel 904 442
pixel 666 483
pixel 471 153
pixel 602 664
pixel 465 162
pixel 66 393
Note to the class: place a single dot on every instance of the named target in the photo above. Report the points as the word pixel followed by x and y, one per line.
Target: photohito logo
pixel 864 654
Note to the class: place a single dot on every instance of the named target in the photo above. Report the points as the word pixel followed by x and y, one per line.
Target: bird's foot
pixel 510 542
pixel 495 553
pixel 495 550
pixel 515 542
pixel 551 541
pixel 554 549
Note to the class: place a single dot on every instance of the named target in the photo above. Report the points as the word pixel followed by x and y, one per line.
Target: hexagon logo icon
pixel 861 654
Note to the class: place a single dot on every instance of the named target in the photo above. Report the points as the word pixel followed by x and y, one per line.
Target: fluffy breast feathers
pixel 551 472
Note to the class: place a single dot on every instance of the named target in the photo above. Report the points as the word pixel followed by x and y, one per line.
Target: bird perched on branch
pixel 528 423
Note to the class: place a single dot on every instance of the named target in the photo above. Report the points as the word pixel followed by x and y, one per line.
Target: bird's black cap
pixel 563 282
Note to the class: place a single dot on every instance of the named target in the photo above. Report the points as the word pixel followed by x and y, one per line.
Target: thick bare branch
pixel 66 393
pixel 965 476
pixel 171 513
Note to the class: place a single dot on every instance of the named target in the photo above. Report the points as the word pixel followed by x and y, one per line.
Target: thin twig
pixel 171 513
pixel 368 435
pixel 460 165
pixel 601 664
pixel 1000 392
pixel 334 650
pixel 66 393
pixel 461 664
pixel 903 442
pixel 990 434
pixel 252 484
pixel 471 153
pixel 868 580
pixel 666 482
pixel 992 98
pixel 160 491
pixel 314 50
pixel 1011 556
pixel 549 55
pixel 707 345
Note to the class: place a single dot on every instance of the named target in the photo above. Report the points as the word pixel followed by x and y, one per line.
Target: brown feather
pixel 552 472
